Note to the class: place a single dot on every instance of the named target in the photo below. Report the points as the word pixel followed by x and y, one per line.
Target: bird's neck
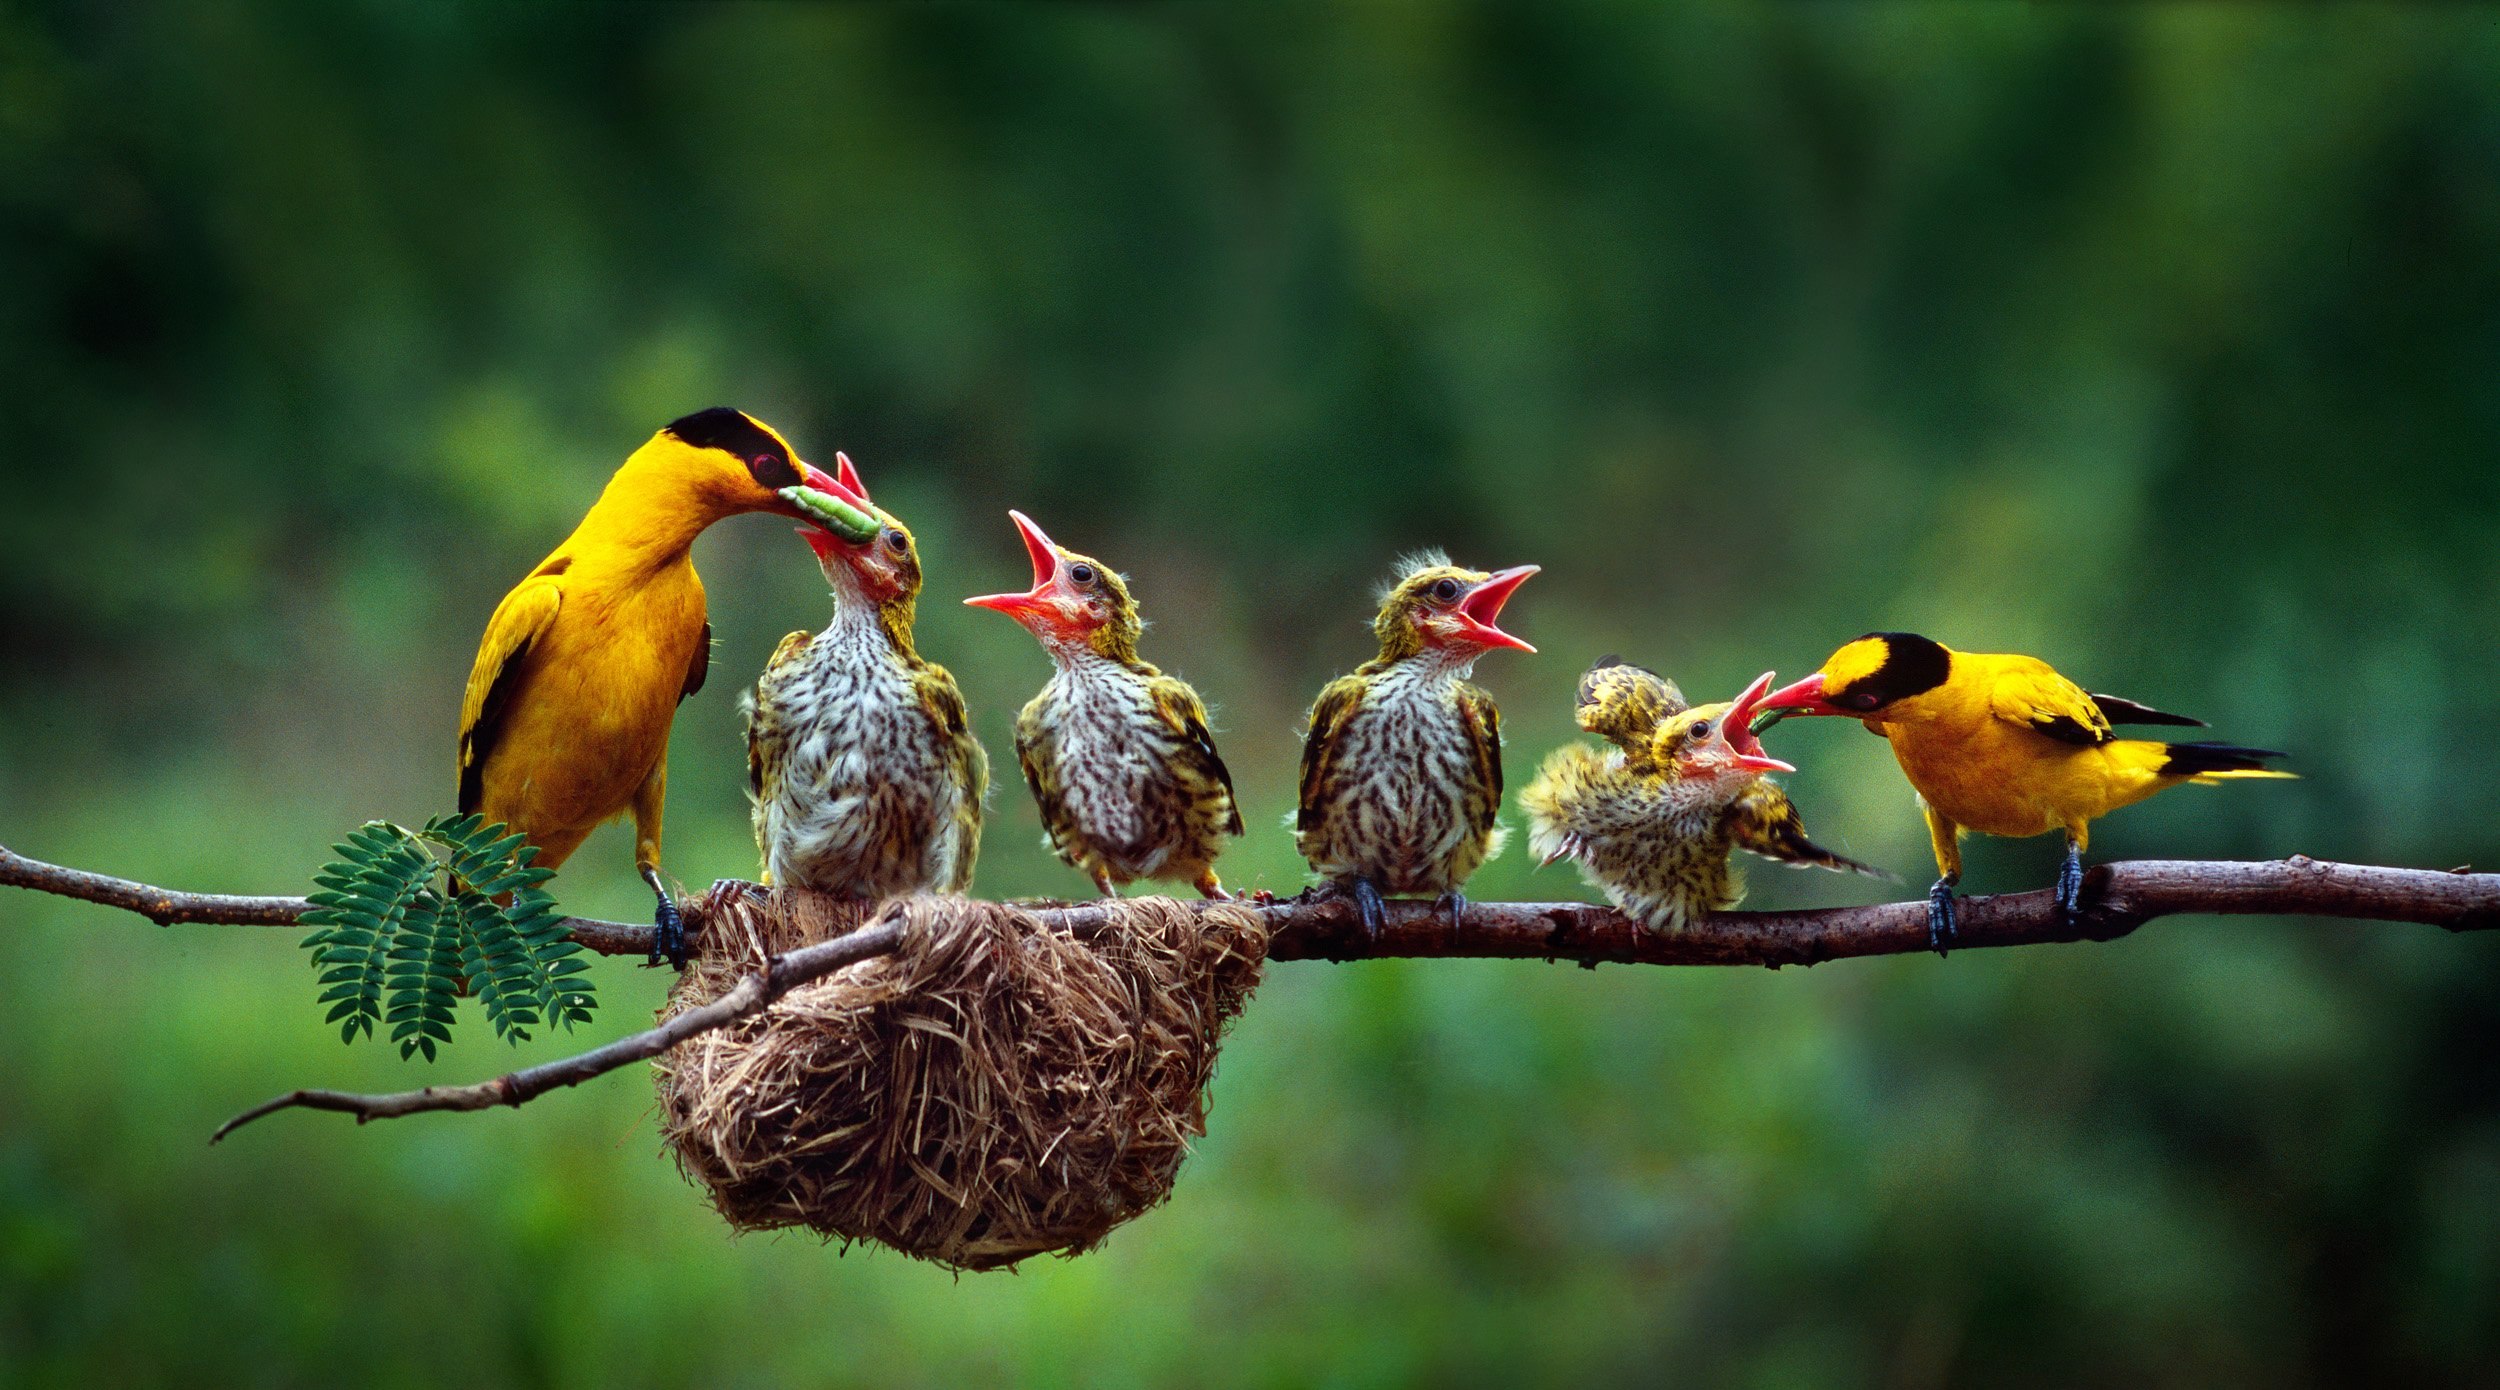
pixel 647 517
pixel 1425 667
pixel 863 620
pixel 1079 663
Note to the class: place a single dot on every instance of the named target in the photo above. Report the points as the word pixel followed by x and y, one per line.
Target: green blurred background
pixel 2163 342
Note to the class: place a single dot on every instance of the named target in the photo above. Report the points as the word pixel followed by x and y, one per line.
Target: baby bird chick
pixel 1653 825
pixel 1402 763
pixel 1624 704
pixel 866 778
pixel 1117 753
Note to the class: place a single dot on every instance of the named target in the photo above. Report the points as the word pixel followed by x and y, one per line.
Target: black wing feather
pixel 2118 711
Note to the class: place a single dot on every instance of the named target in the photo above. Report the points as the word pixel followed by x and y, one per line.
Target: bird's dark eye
pixel 1446 590
pixel 772 472
pixel 1700 729
pixel 897 542
pixel 1862 700
pixel 1082 574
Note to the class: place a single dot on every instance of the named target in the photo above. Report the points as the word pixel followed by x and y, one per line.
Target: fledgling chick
pixel 866 778
pixel 1655 829
pixel 2004 745
pixel 1117 753
pixel 1624 704
pixel 1402 763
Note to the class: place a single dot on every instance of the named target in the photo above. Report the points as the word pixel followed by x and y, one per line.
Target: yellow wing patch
pixel 524 615
pixel 2027 691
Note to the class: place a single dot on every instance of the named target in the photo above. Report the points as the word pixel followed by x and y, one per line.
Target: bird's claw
pixel 1456 902
pixel 2070 887
pixel 1942 929
pixel 668 930
pixel 1370 910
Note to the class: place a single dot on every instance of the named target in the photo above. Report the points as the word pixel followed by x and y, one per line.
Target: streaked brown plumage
pixel 1654 823
pixel 1402 761
pixel 866 778
pixel 1117 753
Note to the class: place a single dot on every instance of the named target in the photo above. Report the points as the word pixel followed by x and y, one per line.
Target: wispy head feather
pixel 1412 563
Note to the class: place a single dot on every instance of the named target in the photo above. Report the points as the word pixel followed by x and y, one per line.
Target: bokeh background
pixel 2163 342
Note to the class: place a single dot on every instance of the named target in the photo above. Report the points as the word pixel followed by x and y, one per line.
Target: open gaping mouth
pixel 1478 611
pixel 1738 729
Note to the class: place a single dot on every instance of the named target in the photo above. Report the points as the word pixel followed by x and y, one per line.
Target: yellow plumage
pixel 565 719
pixel 2004 745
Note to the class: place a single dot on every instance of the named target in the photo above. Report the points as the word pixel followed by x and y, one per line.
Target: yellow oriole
pixel 565 721
pixel 2004 745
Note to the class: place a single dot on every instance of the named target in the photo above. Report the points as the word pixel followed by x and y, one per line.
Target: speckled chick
pixel 1117 753
pixel 1402 762
pixel 1654 826
pixel 866 779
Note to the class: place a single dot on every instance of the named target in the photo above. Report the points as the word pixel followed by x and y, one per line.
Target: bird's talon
pixel 1456 902
pixel 1942 927
pixel 1373 912
pixel 668 930
pixel 668 936
pixel 2070 887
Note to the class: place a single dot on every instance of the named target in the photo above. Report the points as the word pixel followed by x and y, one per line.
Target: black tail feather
pixel 2198 759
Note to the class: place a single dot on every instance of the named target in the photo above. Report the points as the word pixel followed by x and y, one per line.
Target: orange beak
pixel 1483 604
pixel 1037 604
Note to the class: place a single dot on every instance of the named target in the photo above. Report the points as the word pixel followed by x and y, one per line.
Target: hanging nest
pixel 995 1089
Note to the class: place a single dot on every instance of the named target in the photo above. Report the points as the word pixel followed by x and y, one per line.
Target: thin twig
pixel 757 991
pixel 167 907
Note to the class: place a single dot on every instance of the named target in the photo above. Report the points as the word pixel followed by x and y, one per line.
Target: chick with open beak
pixel 866 779
pixel 1402 762
pixel 1118 754
pixel 1654 822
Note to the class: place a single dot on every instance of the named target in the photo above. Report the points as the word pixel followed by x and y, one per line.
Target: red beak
pixel 849 481
pixel 1045 558
pixel 1737 727
pixel 1805 697
pixel 1477 611
pixel 848 488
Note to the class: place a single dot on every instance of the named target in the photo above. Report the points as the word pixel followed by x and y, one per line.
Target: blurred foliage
pixel 2158 341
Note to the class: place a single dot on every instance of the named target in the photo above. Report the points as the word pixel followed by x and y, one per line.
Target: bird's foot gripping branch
pixel 2115 900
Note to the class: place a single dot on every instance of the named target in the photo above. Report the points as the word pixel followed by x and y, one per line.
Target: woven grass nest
pixel 994 1090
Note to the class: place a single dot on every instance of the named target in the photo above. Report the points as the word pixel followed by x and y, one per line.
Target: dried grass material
pixel 992 1091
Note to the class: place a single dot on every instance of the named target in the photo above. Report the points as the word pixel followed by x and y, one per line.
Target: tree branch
pixel 2117 898
pixel 167 907
pixel 780 975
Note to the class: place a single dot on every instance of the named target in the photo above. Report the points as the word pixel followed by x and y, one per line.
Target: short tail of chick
pixel 2216 762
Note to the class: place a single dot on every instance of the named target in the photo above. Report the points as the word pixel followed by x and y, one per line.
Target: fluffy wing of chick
pixel 1482 798
pixel 1336 705
pixel 1764 821
pixel 525 613
pixel 1621 702
pixel 1187 714
pixel 967 762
